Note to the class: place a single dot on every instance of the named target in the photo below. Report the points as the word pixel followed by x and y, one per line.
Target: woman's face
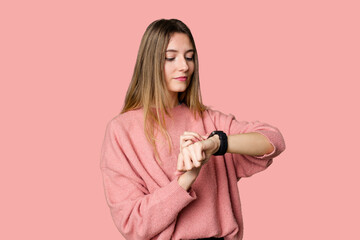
pixel 179 63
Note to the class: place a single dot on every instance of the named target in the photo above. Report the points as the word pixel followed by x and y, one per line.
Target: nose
pixel 183 65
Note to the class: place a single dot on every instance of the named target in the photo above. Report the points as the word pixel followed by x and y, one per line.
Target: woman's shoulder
pixel 217 114
pixel 127 119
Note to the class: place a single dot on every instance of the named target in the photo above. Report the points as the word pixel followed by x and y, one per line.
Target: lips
pixel 181 78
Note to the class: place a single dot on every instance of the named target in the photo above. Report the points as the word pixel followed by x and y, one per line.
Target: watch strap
pixel 223 142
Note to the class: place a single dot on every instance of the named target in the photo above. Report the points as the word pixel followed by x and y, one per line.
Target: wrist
pixel 216 140
pixel 222 149
pixel 188 178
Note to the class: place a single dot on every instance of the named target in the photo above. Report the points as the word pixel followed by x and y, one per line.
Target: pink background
pixel 65 67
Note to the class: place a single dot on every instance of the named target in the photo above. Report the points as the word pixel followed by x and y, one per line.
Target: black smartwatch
pixel 223 142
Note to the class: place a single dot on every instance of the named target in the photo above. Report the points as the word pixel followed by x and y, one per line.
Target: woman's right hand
pixel 195 150
pixel 189 157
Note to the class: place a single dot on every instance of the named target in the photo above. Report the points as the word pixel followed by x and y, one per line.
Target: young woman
pixel 170 165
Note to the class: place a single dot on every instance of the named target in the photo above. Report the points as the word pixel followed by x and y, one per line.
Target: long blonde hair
pixel 148 89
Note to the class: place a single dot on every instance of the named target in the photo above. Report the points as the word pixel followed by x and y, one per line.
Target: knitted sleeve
pixel 246 166
pixel 137 213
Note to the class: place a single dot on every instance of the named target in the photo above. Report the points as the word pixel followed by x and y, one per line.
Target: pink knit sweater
pixel 145 199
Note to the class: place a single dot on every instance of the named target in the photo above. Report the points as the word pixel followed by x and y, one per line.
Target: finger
pixel 196 153
pixel 185 144
pixel 190 150
pixel 180 163
pixel 187 160
pixel 196 160
pixel 184 139
pixel 199 150
pixel 194 134
pixel 187 137
pixel 194 137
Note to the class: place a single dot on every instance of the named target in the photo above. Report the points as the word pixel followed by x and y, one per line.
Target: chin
pixel 180 90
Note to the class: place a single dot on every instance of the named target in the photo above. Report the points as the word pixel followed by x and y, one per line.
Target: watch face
pixel 212 134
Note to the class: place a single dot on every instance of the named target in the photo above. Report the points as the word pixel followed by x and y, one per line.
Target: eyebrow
pixel 173 50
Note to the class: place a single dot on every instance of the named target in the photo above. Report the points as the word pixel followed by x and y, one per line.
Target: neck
pixel 173 100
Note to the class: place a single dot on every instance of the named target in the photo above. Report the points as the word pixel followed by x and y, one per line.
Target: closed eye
pixel 187 59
